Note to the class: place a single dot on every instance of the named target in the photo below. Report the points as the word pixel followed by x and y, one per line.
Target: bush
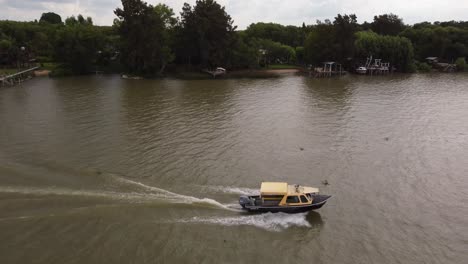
pixel 461 64
pixel 43 59
pixel 423 67
pixel 61 72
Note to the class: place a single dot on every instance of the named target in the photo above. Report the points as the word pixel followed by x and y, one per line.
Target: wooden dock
pixel 18 77
pixel 329 69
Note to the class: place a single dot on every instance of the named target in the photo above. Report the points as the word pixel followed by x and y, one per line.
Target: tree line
pixel 151 40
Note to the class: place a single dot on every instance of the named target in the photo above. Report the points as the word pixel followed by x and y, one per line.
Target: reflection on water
pixel 152 169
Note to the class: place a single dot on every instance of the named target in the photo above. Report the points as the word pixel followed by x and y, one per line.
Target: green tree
pixel 242 53
pixel 289 35
pixel 461 64
pixel 7 51
pixel 80 20
pixel 51 18
pixel 144 40
pixel 77 47
pixel 276 52
pixel 300 55
pixel 166 14
pixel 387 24
pixel 396 50
pixel 209 29
pixel 446 42
pixel 320 43
pixel 345 28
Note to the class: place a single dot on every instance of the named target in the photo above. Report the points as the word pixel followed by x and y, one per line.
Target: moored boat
pixel 361 70
pixel 281 197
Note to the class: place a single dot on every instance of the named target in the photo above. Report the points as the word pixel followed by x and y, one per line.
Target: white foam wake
pixel 233 190
pixel 143 193
pixel 268 221
pixel 71 192
pixel 175 197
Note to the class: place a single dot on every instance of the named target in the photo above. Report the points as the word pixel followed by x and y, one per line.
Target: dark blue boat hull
pixel 318 202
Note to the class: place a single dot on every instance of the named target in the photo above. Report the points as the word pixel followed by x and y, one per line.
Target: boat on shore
pixel 280 197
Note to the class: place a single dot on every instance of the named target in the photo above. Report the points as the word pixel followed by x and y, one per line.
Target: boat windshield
pixel 292 199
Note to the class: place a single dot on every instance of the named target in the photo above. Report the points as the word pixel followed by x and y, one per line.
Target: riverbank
pixel 236 74
pixel 273 71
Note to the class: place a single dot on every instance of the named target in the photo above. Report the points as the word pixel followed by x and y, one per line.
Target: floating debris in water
pixel 325 182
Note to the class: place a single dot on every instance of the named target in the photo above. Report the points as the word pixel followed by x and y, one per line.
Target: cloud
pixel 245 12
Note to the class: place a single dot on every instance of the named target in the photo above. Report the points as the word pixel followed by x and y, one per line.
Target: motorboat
pixel 361 70
pixel 282 197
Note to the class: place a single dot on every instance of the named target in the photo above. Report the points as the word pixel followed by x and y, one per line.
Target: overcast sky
pixel 245 12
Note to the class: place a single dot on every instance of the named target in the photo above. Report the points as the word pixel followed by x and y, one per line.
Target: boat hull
pixel 319 201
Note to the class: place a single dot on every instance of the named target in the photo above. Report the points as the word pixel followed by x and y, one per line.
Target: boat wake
pixel 268 221
pixel 122 189
pixel 232 190
pixel 64 192
pixel 175 197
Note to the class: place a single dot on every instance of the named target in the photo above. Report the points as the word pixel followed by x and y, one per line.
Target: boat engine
pixel 244 200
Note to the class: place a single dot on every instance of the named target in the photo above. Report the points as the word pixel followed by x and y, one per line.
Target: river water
pixel 104 170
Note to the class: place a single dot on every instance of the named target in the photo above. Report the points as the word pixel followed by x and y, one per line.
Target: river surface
pixel 104 170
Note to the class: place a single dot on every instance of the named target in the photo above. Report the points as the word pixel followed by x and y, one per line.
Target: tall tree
pixel 80 20
pixel 51 18
pixel 320 44
pixel 387 24
pixel 396 50
pixel 345 28
pixel 144 40
pixel 208 27
pixel 77 47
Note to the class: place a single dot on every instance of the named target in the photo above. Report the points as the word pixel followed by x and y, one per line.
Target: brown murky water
pixel 104 170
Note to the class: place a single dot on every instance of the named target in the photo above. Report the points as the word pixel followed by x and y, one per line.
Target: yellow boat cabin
pixel 281 197
pixel 280 194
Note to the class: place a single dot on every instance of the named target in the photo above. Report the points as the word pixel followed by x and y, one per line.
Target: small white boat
pixel 220 70
pixel 361 70
pixel 216 72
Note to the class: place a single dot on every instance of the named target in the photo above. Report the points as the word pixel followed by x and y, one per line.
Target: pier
pixel 18 77
pixel 374 67
pixel 329 69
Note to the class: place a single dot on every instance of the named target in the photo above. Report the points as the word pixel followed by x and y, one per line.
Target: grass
pixel 49 66
pixel 8 71
pixel 281 66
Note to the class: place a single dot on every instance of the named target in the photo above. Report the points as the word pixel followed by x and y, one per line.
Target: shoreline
pixel 235 74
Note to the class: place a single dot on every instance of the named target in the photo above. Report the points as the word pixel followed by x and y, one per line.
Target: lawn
pixel 7 71
pixel 281 66
pixel 49 66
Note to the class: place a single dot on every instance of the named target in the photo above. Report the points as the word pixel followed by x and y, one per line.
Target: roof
pixel 299 189
pixel 270 188
pixel 282 188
